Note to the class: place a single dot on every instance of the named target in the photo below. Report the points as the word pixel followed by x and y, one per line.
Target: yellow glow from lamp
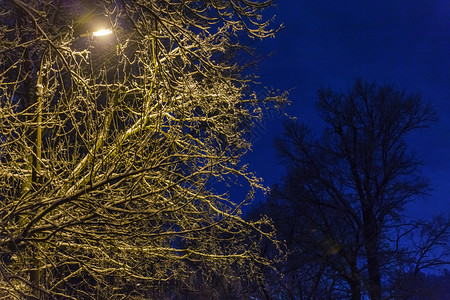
pixel 102 32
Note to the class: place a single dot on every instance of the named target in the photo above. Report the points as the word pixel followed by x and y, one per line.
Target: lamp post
pixel 36 156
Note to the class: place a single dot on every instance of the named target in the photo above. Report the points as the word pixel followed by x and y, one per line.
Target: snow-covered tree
pixel 110 145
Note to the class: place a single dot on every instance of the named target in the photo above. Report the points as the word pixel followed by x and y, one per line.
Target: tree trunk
pixel 355 288
pixel 371 246
pixel 374 286
pixel 354 281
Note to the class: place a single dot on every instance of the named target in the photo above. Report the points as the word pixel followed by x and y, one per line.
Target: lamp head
pixel 102 32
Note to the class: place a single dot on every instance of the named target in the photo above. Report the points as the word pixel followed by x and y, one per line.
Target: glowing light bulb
pixel 102 32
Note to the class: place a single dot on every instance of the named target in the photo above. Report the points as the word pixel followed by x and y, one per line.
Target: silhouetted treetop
pixel 347 188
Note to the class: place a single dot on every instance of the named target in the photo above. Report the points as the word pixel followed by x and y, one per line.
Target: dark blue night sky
pixel 405 43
